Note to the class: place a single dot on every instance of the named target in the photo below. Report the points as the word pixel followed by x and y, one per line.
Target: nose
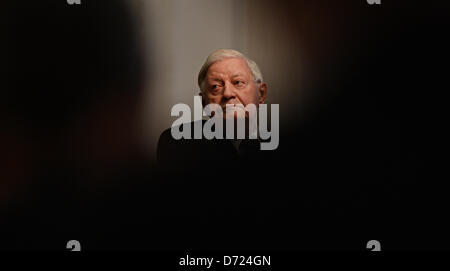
pixel 229 91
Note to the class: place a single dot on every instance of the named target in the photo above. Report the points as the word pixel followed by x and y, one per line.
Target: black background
pixel 367 163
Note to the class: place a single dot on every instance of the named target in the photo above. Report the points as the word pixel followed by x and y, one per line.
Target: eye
pixel 239 83
pixel 215 88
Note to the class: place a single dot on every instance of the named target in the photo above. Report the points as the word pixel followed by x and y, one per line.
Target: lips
pixel 234 107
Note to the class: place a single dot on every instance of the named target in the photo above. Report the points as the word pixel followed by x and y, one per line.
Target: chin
pixel 235 114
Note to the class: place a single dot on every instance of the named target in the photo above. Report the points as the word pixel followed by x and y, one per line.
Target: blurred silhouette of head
pixel 73 76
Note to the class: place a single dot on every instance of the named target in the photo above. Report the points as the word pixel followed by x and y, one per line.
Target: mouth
pixel 233 107
pixel 234 112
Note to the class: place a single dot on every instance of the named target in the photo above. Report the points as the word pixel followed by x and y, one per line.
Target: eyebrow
pixel 215 80
pixel 237 75
pixel 218 79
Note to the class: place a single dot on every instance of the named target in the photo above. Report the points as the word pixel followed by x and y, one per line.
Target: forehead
pixel 229 67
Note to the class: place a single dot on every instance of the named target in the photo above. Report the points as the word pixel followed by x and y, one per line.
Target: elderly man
pixel 216 179
pixel 227 78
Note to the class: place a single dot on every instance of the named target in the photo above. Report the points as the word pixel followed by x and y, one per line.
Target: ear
pixel 262 93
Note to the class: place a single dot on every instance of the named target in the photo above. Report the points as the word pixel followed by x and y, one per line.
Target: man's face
pixel 230 81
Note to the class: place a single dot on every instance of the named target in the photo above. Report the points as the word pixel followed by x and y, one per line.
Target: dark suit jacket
pixel 214 170
pixel 211 180
pixel 189 155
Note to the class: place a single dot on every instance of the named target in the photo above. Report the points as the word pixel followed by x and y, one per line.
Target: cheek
pixel 213 98
pixel 252 96
pixel 257 96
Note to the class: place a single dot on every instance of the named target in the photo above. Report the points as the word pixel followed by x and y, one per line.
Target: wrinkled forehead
pixel 228 68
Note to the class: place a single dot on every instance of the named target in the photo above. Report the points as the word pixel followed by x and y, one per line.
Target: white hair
pixel 222 54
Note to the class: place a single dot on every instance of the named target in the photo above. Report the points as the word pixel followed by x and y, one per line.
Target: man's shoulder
pixel 182 150
pixel 166 135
